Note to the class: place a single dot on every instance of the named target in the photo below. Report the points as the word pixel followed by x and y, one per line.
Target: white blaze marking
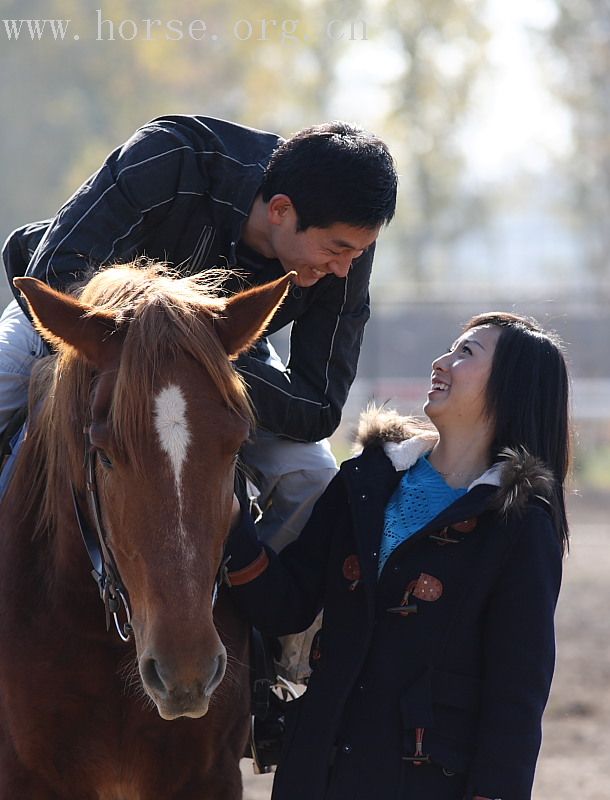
pixel 173 431
pixel 172 427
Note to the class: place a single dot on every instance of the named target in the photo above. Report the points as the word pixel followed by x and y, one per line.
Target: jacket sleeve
pixel 107 218
pixel 305 402
pixel 519 658
pixel 283 593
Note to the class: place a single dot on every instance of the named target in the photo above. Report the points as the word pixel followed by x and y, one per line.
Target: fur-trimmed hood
pixel 518 475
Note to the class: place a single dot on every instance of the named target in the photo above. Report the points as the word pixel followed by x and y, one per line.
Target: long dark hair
pixel 527 398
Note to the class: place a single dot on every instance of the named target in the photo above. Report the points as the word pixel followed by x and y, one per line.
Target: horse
pixel 134 429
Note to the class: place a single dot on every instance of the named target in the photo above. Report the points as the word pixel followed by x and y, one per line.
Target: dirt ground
pixel 575 759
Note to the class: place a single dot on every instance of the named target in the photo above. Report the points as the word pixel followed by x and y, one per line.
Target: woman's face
pixel 456 399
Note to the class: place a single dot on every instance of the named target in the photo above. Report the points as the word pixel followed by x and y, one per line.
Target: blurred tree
pixel 73 100
pixel 442 46
pixel 277 64
pixel 581 39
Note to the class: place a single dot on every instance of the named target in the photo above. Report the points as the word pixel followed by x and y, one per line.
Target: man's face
pixel 317 252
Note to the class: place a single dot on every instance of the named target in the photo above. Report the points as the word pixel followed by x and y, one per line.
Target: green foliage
pixel 443 49
pixel 276 64
pixel 72 101
pixel 580 39
pixel 592 468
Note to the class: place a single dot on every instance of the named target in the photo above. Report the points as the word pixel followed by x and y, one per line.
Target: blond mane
pixel 165 315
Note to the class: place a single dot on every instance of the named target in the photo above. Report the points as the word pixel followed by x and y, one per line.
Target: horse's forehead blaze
pixel 172 427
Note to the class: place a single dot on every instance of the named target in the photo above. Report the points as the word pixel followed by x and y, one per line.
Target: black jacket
pixel 469 670
pixel 179 190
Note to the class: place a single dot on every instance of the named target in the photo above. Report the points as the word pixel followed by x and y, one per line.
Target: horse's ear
pixel 61 319
pixel 248 313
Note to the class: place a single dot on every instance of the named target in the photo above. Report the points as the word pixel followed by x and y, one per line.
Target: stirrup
pixel 267 733
pixel 270 695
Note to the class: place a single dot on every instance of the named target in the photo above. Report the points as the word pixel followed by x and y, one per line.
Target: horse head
pixel 144 368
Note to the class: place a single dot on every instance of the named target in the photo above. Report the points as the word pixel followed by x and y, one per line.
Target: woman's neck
pixel 460 459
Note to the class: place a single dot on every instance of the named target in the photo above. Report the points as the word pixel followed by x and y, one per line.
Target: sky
pixel 514 122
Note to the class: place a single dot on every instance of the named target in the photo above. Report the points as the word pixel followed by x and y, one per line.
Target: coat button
pixel 374 553
pixel 360 687
pixel 396 568
pixel 356 468
pixel 363 497
pixel 347 749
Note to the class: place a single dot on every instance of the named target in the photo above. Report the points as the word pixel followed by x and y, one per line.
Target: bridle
pixel 105 572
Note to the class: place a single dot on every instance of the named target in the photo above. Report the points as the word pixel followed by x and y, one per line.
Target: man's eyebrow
pixel 342 243
pixel 348 245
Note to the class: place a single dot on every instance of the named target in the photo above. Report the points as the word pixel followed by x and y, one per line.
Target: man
pixel 203 193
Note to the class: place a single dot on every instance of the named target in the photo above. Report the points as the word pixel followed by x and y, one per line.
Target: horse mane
pixel 164 315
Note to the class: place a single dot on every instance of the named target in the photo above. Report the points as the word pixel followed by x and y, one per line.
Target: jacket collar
pixel 404 454
pixel 516 477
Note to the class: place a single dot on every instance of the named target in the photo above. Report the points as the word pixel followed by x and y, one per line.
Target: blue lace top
pixel 421 494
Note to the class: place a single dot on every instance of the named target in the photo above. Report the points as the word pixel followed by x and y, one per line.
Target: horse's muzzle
pixel 176 696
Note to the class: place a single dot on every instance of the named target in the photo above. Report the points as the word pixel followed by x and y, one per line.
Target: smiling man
pixel 202 193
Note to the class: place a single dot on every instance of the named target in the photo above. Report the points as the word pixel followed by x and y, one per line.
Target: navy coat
pixel 467 672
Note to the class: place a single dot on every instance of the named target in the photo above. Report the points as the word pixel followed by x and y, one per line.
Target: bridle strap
pixel 105 571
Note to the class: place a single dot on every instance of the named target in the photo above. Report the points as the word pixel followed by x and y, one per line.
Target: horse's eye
pixel 104 460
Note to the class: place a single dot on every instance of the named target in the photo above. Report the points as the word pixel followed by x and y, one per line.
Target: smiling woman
pixel 436 555
pixel 457 400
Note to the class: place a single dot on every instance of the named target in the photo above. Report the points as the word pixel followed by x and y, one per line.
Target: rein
pixel 105 572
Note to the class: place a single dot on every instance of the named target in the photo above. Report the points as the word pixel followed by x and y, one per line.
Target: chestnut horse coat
pixel 143 389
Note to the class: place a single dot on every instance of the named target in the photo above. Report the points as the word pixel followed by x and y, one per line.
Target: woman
pixel 436 555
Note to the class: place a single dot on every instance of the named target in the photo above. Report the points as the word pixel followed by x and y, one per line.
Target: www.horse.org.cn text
pixel 107 29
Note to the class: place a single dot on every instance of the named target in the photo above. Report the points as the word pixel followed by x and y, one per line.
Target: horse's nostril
pixel 221 665
pixel 151 676
pixel 181 693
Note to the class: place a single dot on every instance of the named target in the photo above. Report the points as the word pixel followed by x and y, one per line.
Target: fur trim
pixel 518 475
pixel 523 476
pixel 379 425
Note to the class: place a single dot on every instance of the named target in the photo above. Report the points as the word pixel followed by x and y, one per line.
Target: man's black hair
pixel 334 172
